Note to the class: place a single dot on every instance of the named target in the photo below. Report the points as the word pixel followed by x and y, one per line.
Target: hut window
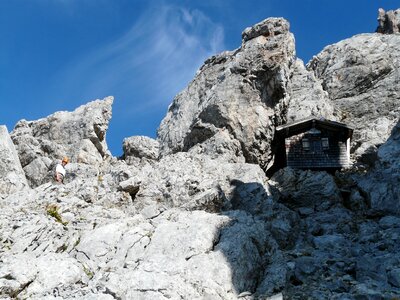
pixel 325 143
pixel 306 144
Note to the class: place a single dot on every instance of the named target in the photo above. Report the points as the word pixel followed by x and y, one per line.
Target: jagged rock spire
pixel 389 21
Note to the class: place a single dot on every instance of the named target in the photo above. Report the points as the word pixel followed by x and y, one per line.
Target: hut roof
pixel 306 124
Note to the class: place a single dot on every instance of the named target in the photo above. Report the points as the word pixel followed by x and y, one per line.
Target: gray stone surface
pixel 307 97
pixel 241 91
pixel 195 181
pixel 394 277
pixel 389 21
pixel 298 188
pixel 79 135
pixel 137 148
pixel 381 183
pixel 361 76
pixel 305 267
pixel 12 177
pixel 267 28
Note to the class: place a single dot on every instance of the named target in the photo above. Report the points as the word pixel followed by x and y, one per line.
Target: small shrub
pixel 52 210
pixel 88 272
pixel 62 248
pixel 77 242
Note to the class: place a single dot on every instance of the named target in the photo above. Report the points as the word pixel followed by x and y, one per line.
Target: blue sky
pixel 59 54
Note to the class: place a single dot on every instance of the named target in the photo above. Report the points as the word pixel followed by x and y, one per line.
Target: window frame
pixel 325 143
pixel 305 142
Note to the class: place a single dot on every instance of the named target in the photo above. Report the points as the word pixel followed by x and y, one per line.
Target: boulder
pixel 394 277
pixel 25 275
pixel 305 267
pixel 192 182
pixel 389 222
pixel 80 135
pixel 389 21
pixel 222 146
pixel 40 170
pixel 371 268
pixel 267 28
pixel 137 148
pixel 174 254
pixel 12 176
pixel 305 188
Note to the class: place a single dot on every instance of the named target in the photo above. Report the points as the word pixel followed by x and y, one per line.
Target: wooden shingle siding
pixel 312 143
pixel 316 157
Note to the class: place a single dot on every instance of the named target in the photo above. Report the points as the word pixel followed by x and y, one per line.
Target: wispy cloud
pixel 155 59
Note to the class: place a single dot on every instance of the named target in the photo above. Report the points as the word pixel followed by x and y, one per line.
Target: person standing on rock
pixel 59 172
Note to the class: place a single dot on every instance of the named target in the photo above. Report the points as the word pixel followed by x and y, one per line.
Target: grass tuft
pixel 52 210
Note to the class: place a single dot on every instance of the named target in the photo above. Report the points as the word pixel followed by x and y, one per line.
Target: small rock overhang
pixel 289 148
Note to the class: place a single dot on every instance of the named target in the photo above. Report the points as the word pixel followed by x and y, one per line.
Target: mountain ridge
pixel 192 214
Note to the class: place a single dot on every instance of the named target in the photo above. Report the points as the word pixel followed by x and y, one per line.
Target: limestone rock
pixel 80 135
pixel 192 181
pixel 267 28
pixel 24 275
pixel 305 267
pixel 307 97
pixel 361 76
pixel 394 277
pixel 241 92
pixel 137 148
pixel 40 170
pixel 297 188
pixel 389 222
pixel 389 22
pixel 198 243
pixel 131 185
pixel 12 177
pixel 284 225
pixel 222 146
pixel 381 183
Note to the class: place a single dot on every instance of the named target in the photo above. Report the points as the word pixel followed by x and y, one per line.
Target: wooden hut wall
pixel 316 156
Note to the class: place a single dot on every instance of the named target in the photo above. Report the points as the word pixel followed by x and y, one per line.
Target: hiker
pixel 59 173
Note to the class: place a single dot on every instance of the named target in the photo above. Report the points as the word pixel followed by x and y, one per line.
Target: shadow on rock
pixel 381 184
pixel 253 240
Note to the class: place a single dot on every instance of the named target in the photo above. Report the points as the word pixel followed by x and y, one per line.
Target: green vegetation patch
pixel 52 210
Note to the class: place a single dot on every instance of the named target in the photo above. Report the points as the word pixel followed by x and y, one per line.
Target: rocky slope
pixel 192 214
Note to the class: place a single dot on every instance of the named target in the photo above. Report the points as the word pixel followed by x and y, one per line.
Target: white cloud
pixel 156 58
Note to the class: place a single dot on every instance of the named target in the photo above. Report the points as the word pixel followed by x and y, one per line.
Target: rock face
pixel 137 148
pixel 381 183
pixel 361 77
pixel 245 93
pixel 307 96
pixel 12 177
pixel 389 22
pixel 80 135
pixel 242 92
pixel 297 188
pixel 199 182
pixel 192 214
